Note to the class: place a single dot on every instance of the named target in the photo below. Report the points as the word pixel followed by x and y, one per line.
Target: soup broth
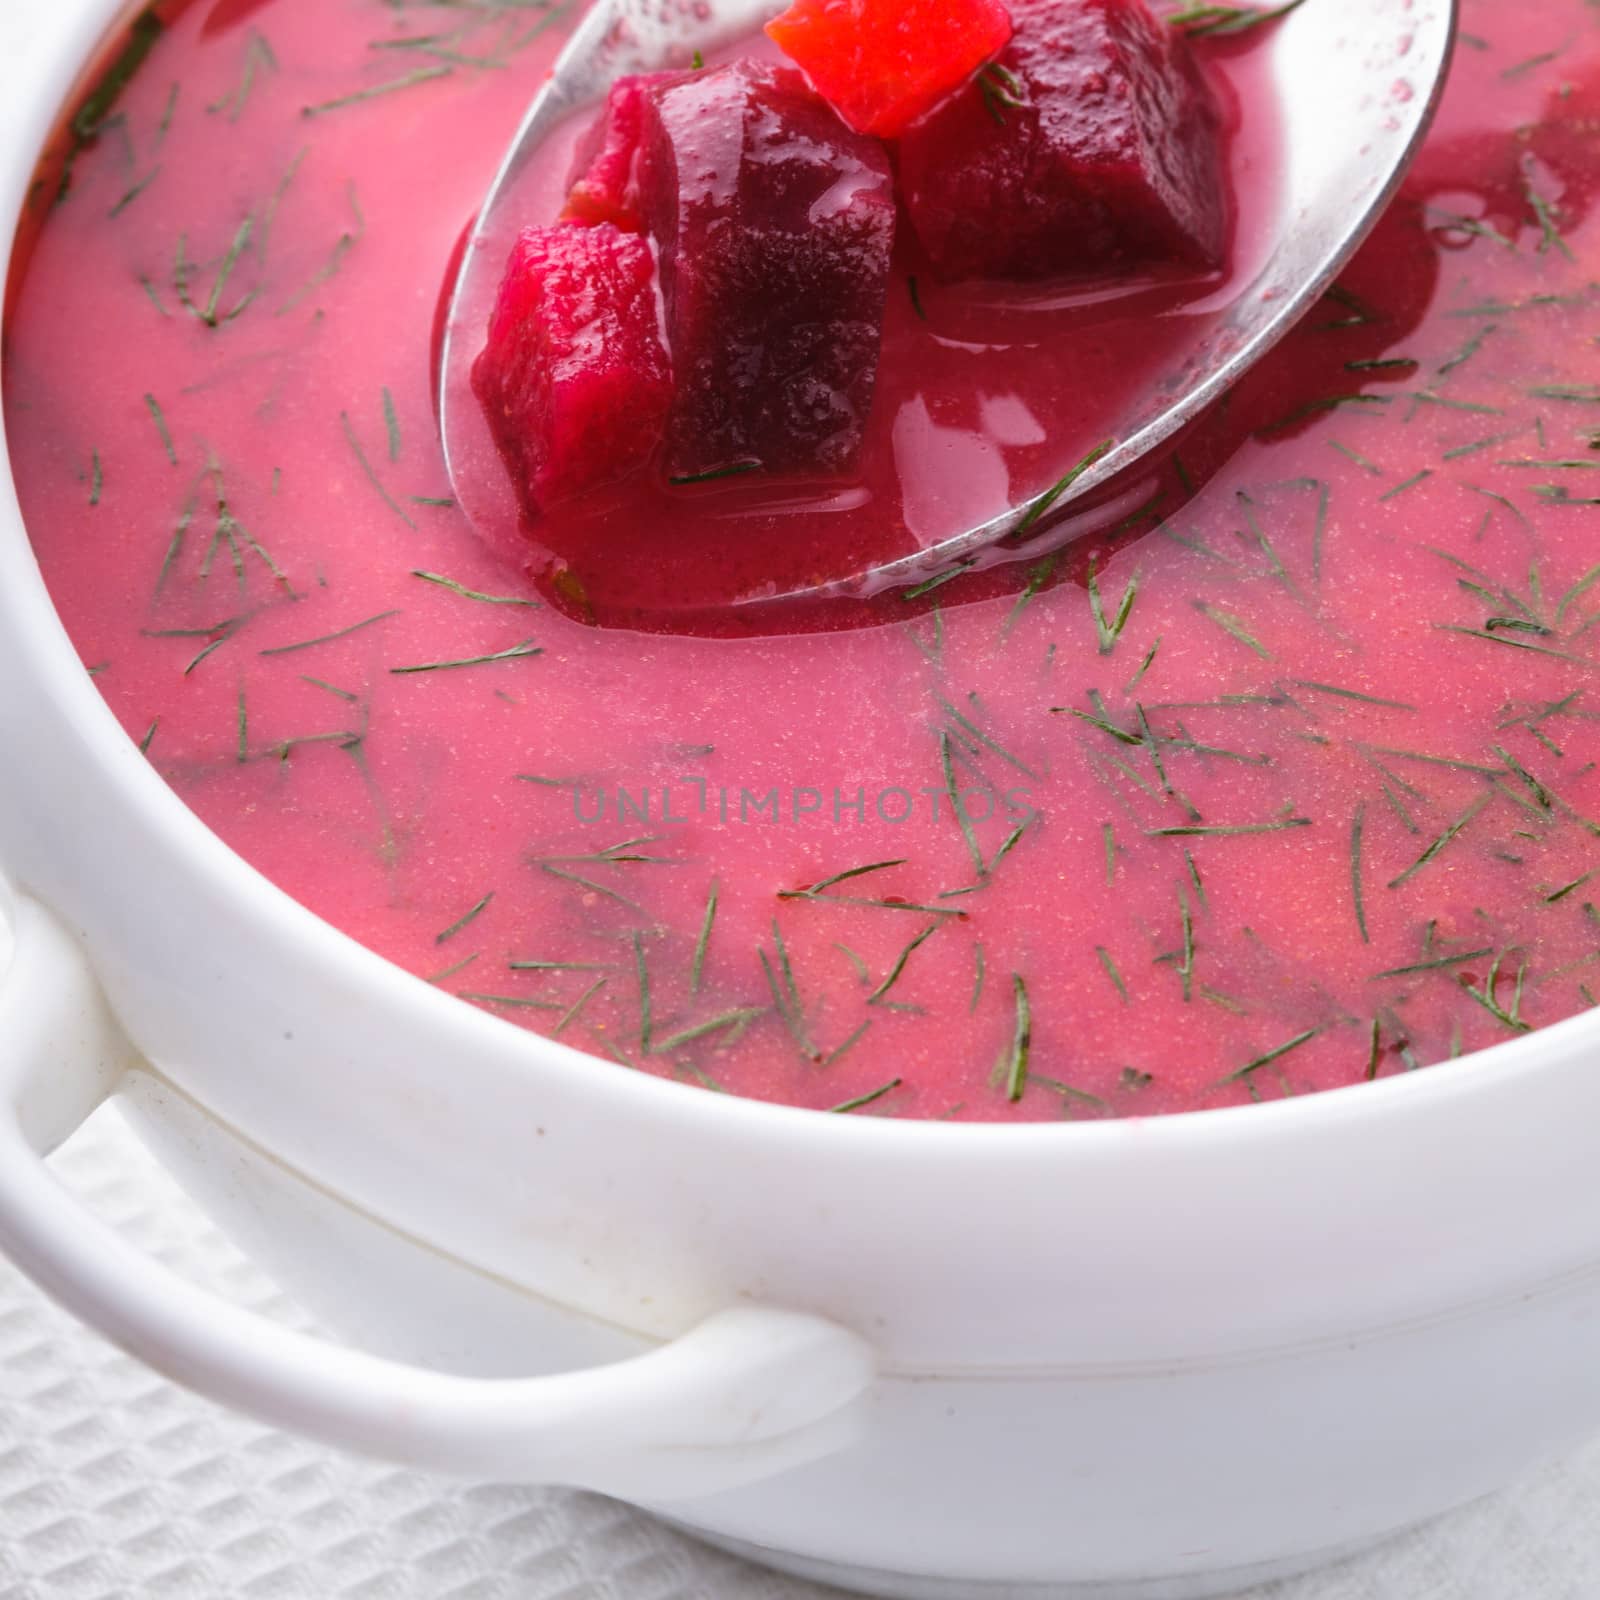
pixel 1286 782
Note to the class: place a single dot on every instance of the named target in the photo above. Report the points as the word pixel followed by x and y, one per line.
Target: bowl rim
pixel 45 74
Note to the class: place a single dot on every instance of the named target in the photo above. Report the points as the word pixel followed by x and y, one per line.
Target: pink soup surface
pixel 1285 783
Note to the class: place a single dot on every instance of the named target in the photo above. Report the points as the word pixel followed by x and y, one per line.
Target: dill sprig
pixel 1112 972
pixel 1452 832
pixel 95 110
pixel 517 652
pixel 159 417
pixel 1267 1057
pixel 938 580
pixel 259 58
pixel 370 472
pixel 813 891
pixel 1041 504
pixel 466 920
pixel 1001 91
pixel 1357 829
pixel 1220 21
pixel 393 86
pixel 786 995
pixel 697 967
pixel 737 470
pixel 1198 830
pixel 1109 630
pixel 1487 995
pixel 899 967
pixel 739 1018
pixel 571 1014
pixel 475 594
pixel 329 638
pixel 1013 1065
pixel 870 1098
pixel 1232 626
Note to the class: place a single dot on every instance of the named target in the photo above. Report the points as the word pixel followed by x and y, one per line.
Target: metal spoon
pixel 1359 81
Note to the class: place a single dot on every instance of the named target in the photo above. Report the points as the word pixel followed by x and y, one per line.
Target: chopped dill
pixel 1109 631
pixel 453 969
pixel 330 268
pixel 133 194
pixel 474 594
pixel 1039 506
pixel 1013 1065
pixel 1222 21
pixel 1359 459
pixel 153 406
pixel 511 1001
pixel 899 967
pixel 1001 91
pixel 849 1044
pixel 697 967
pixel 329 638
pixel 968 834
pixel 1437 964
pixel 737 470
pixel 410 80
pixel 465 920
pixel 370 473
pixel 1470 349
pixel 871 1098
pixel 1410 483
pixel 1269 1056
pixel 1143 667
pixel 1487 995
pixel 1357 829
pixel 786 995
pixel 259 58
pixel 1351 694
pixel 572 1011
pixel 824 884
pixel 1197 830
pixel 1110 965
pixel 1444 839
pixel 1232 626
pixel 741 1017
pixel 391 422
pixel 94 112
pixel 939 579
pixel 1038 576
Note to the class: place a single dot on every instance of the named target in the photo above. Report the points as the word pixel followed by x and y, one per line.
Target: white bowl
pixel 1152 1359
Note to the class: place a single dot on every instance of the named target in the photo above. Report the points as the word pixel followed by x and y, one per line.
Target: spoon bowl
pixel 1357 84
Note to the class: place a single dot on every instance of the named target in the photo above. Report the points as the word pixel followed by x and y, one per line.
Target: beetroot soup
pixel 1287 781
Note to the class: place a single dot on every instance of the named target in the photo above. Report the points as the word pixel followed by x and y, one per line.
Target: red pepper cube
pixel 575 380
pixel 881 64
pixel 1092 145
pixel 774 225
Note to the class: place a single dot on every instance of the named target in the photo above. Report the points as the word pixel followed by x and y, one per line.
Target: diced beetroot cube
pixel 604 183
pixel 575 380
pixel 1092 144
pixel 881 64
pixel 773 224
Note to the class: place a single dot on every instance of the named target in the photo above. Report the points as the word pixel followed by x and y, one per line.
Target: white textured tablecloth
pixel 116 1486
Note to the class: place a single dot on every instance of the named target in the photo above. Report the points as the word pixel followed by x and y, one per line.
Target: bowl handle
pixel 746 1395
